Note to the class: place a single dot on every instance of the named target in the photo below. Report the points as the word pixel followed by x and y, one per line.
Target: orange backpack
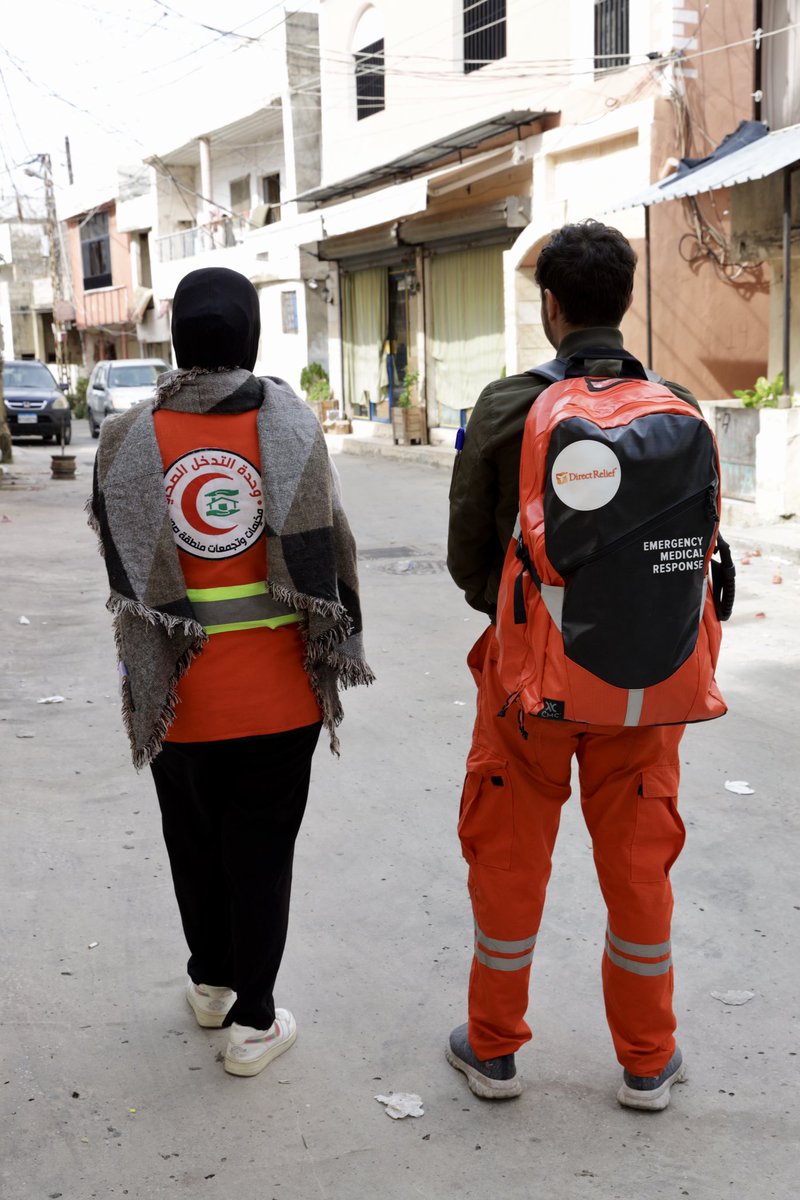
pixel 605 614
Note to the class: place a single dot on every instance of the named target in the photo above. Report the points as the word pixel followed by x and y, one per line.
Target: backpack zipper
pixel 621 542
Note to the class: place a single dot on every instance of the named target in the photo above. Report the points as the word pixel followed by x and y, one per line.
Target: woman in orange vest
pixel 235 595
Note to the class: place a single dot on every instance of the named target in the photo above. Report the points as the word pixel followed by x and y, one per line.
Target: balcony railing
pixel 219 234
pixel 105 306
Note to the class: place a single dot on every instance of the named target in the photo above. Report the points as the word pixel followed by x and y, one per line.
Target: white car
pixel 117 384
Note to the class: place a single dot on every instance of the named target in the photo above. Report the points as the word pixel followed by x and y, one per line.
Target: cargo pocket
pixel 659 833
pixel 486 819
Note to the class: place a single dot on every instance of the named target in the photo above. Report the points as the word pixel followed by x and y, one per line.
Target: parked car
pixel 35 404
pixel 118 384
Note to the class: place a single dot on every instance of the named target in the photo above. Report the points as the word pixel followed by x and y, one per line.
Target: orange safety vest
pixel 249 679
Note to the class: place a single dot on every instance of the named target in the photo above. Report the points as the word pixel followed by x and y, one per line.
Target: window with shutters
pixel 96 252
pixel 370 80
pixel 271 195
pixel 484 33
pixel 611 34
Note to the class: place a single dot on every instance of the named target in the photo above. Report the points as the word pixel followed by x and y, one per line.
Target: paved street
pixel 110 1089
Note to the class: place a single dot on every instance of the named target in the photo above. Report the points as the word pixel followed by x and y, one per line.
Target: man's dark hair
pixel 589 269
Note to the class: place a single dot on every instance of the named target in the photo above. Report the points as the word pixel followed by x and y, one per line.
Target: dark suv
pixel 35 404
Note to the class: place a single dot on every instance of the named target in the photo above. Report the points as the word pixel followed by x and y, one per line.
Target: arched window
pixel 369 64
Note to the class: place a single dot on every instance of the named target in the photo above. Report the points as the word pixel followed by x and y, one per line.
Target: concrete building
pixel 750 180
pixel 26 292
pixel 107 238
pixel 455 136
pixel 98 258
pixel 227 197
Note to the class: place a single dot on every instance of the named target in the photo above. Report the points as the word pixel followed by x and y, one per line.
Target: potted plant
pixel 408 418
pixel 62 466
pixel 316 385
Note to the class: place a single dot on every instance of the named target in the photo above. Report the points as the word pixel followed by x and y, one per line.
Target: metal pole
pixel 758 95
pixel 787 278
pixel 648 287
pixel 59 332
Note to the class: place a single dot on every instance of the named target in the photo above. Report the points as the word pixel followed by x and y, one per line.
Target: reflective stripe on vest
pixel 244 606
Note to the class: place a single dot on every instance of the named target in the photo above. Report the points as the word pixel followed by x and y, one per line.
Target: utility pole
pixel 6 447
pixel 56 272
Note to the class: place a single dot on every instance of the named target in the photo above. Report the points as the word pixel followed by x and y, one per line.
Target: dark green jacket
pixel 484 493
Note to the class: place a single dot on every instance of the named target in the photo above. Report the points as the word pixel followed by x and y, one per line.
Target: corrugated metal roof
pixel 758 160
pixel 425 156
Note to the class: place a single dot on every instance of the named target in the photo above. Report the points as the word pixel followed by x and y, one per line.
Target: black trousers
pixel 231 812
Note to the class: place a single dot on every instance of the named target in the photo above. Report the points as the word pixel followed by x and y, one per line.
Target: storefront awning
pixel 425 156
pixel 377 208
pixel 762 155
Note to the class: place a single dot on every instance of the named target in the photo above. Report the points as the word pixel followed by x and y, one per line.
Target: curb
pixel 781 539
pixel 430 456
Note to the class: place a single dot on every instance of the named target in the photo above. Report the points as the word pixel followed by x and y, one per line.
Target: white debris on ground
pixel 740 787
pixel 402 1104
pixel 51 700
pixel 733 997
pixel 24 621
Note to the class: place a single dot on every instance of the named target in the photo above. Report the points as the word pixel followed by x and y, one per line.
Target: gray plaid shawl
pixel 311 553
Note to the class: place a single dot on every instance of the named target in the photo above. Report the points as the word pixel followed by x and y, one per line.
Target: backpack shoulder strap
pixel 553 371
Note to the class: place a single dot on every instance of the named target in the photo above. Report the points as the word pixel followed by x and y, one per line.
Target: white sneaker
pixel 210 1004
pixel 250 1050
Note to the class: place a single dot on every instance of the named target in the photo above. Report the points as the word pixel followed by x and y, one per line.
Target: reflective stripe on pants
pixel 510 813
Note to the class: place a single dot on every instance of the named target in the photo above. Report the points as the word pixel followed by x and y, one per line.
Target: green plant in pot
pixel 764 394
pixel 315 383
pixel 403 397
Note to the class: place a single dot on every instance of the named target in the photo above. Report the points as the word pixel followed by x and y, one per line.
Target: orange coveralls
pixel 510 812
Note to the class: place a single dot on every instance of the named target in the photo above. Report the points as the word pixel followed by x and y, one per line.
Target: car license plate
pixel 27 418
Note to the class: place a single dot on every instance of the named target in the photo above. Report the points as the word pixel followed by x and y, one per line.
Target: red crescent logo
pixel 189 505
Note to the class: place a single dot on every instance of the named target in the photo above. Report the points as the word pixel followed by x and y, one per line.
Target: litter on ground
pixel 24 621
pixel 402 1104
pixel 51 700
pixel 733 997
pixel 739 787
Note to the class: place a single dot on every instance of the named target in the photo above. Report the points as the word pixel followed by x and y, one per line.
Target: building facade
pixel 454 136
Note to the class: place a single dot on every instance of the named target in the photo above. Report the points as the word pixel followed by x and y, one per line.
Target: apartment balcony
pixel 106 306
pixel 224 233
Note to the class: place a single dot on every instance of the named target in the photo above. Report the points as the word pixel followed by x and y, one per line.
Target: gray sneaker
pixel 652 1092
pixel 493 1079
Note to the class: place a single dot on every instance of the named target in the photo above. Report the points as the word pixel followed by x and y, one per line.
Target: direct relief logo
pixel 586 475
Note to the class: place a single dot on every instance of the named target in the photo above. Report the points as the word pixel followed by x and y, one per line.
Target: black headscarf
pixel 216 320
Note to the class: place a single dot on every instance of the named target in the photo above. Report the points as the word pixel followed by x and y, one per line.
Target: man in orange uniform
pixel 234 588
pixel 514 790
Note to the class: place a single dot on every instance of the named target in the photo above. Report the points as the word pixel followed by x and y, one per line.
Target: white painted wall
pixel 427 93
pixel 279 353
pixel 253 162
